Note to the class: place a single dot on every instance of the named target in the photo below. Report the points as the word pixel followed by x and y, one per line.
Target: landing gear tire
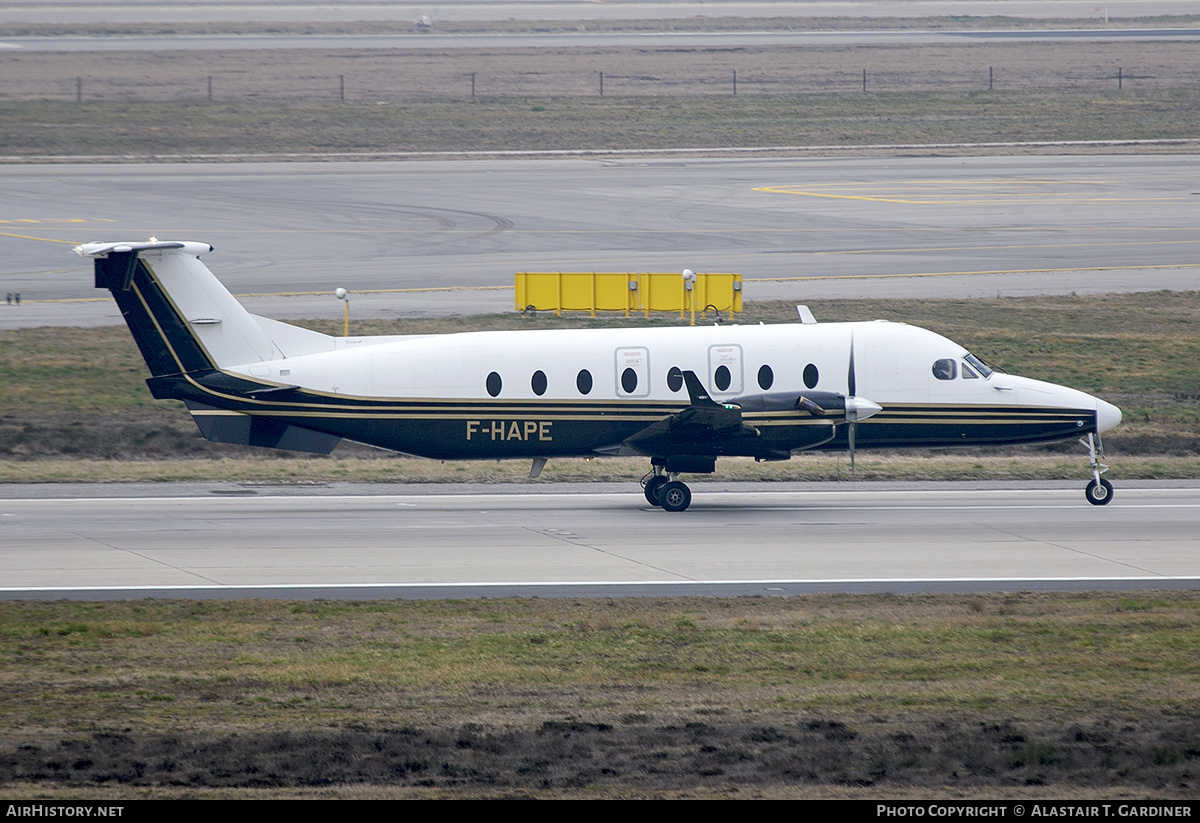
pixel 675 496
pixel 1099 494
pixel 653 489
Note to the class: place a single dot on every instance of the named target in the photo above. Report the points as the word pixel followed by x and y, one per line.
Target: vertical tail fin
pixel 182 318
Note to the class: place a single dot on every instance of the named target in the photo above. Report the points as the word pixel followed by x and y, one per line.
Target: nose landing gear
pixel 1099 492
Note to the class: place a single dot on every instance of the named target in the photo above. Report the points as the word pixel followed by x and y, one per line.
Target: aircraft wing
pixel 701 428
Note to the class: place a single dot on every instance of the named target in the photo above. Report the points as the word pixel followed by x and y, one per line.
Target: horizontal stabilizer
pixel 95 250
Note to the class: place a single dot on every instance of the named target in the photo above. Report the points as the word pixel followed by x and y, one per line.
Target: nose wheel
pixel 1099 492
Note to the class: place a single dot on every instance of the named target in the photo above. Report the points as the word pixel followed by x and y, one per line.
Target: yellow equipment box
pixel 628 292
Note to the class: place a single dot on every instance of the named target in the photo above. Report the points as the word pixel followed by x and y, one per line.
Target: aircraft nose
pixel 1107 416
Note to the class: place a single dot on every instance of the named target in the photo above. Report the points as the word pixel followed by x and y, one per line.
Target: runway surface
pixel 796 228
pixel 1107 20
pixel 185 11
pixel 682 39
pixel 200 541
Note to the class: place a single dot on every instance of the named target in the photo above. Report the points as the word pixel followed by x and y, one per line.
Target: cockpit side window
pixel 945 369
pixel 979 365
pixel 968 374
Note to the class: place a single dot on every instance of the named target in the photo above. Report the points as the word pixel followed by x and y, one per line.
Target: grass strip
pixel 945 693
pixel 47 129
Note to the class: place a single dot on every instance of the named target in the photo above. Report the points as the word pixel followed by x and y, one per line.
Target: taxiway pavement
pixel 288 234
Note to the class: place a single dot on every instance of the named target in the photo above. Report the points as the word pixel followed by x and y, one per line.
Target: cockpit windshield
pixel 979 365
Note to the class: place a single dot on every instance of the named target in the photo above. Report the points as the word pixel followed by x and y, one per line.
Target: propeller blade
pixel 850 379
pixel 851 406
pixel 850 431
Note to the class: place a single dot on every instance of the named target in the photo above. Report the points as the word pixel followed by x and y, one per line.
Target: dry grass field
pixel 378 75
pixel 156 104
pixel 1022 695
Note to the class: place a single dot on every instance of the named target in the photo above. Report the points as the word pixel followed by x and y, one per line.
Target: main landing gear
pixel 1099 492
pixel 662 489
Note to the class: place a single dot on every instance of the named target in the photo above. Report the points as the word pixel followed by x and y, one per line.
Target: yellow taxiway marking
pixel 963 273
pixel 43 239
pixel 1004 247
pixel 301 293
pixel 374 291
pixel 972 192
pixel 49 220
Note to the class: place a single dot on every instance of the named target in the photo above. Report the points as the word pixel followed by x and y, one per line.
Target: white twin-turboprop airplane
pixel 680 396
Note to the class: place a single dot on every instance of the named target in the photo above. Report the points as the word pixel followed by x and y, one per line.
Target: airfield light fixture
pixel 344 296
pixel 689 282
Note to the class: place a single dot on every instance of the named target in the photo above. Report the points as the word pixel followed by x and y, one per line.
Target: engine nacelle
pixel 816 403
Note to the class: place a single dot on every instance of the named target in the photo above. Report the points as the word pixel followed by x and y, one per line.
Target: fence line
pixel 475 84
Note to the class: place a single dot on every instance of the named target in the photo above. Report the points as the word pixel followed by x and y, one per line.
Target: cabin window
pixel 583 381
pixel 968 374
pixel 538 383
pixel 674 379
pixel 494 384
pixel 722 377
pixel 945 369
pixel 811 376
pixel 766 377
pixel 629 381
pixel 632 372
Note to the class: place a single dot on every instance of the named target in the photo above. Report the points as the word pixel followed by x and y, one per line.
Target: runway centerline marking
pixel 970 192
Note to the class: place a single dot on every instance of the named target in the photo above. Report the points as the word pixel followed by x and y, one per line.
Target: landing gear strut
pixel 662 489
pixel 1099 492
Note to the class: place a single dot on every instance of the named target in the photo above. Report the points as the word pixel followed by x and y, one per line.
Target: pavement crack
pixel 572 539
pixel 148 559
pixel 1081 552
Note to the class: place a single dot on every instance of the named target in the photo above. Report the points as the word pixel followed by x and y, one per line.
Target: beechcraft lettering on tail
pixel 681 397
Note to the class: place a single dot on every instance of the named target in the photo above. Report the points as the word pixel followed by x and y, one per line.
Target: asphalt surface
pixel 186 11
pixel 222 540
pixel 804 228
pixel 683 39
pixel 1109 21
